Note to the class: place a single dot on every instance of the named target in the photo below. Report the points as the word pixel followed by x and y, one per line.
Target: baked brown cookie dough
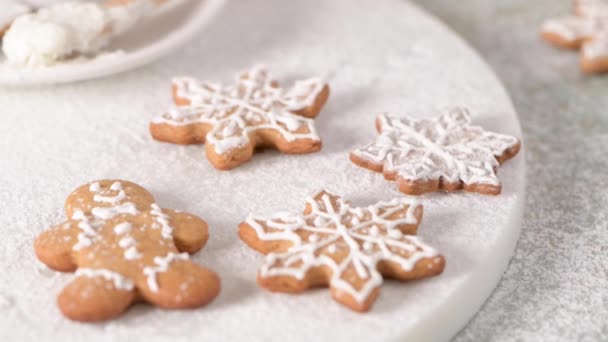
pixel 447 153
pixel 586 29
pixel 124 248
pixel 348 249
pixel 232 121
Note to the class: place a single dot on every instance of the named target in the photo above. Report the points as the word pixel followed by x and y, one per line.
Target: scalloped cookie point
pixel 232 121
pixel 348 249
pixel 447 153
pixel 125 248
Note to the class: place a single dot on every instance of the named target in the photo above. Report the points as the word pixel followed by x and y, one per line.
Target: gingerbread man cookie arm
pixel 54 246
pixel 190 233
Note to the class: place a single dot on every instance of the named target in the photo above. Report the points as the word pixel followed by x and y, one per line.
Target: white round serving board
pixel 377 56
pixel 166 30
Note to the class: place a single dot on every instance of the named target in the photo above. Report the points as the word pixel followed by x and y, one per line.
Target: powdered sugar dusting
pixel 350 44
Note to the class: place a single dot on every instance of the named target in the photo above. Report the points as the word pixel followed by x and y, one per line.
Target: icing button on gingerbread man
pixel 233 120
pixel 125 248
pixel 447 153
pixel 349 249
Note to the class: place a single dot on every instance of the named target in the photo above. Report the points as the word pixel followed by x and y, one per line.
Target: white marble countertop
pixel 556 287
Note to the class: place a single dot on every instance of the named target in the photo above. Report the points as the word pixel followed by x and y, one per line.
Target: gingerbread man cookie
pixel 586 29
pixel 348 249
pixel 233 120
pixel 125 248
pixel 446 153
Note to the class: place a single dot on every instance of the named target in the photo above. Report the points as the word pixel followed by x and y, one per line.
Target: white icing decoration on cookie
pixel 161 265
pixel 364 250
pixel 88 233
pixel 254 104
pixel 95 187
pixel 123 227
pixel 120 281
pixel 447 147
pixel 163 220
pixel 106 213
pixel 116 186
pixel 113 196
pixel 100 214
pixel 132 253
pixel 588 26
pixel 110 199
pixel 126 242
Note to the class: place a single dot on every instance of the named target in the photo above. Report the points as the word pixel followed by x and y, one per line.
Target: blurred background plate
pixel 167 30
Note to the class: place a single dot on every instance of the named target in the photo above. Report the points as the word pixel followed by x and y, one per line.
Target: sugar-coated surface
pixel 377 56
pixel 556 287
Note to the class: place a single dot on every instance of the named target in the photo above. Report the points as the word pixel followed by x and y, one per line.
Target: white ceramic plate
pixel 155 37
pixel 377 56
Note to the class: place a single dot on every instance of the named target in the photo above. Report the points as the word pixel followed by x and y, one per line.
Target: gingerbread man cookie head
pixel 108 198
pixel 233 120
pixel 586 29
pixel 447 153
pixel 348 249
pixel 125 248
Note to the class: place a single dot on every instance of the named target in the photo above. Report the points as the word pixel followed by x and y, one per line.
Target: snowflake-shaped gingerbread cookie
pixel 446 153
pixel 348 249
pixel 125 248
pixel 586 29
pixel 233 120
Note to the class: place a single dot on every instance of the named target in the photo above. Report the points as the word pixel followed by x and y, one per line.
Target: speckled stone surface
pixel 556 287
